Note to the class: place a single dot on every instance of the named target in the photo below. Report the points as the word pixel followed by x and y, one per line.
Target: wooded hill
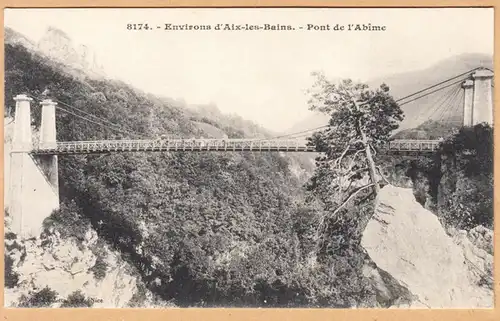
pixel 201 229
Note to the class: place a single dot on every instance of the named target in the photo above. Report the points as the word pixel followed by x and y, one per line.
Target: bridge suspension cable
pixel 468 73
pixel 434 91
pixel 98 120
pixel 459 110
pixel 304 132
pixel 452 95
pixel 450 106
pixel 444 103
pixel 94 122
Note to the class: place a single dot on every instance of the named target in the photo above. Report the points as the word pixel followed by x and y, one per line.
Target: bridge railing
pixel 277 145
pixel 414 145
pixel 180 145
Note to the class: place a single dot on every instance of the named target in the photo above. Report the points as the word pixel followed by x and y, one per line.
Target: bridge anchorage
pixel 476 107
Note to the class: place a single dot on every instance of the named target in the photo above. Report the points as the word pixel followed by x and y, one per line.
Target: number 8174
pixel 138 26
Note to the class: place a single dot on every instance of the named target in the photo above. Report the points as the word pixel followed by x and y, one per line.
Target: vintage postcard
pixel 248 157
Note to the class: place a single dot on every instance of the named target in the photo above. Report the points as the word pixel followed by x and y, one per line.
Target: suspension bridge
pixel 465 99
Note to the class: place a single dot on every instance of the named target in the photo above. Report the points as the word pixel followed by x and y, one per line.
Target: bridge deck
pixel 203 145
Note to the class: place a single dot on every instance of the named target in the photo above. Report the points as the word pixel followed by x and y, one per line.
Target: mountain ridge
pixel 58 46
pixel 406 83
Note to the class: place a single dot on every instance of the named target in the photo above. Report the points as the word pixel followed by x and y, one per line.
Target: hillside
pixel 428 130
pixel 169 215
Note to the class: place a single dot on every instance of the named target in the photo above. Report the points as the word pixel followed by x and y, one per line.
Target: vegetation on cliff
pixel 457 182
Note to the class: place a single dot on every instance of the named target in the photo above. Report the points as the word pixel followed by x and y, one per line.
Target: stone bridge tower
pixel 33 192
pixel 478 99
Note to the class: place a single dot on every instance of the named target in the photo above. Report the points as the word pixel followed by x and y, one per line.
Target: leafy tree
pixel 361 121
pixel 99 269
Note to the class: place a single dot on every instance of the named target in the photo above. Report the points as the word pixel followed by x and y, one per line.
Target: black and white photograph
pixel 248 157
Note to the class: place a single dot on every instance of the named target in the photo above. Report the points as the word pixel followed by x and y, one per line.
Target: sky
pixel 261 75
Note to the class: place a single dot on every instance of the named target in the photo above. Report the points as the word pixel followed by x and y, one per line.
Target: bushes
pixel 139 297
pixel 459 178
pixel 77 300
pixel 11 277
pixel 100 268
pixel 465 197
pixel 46 298
pixel 10 236
pixel 337 280
pixel 68 221
pixel 39 299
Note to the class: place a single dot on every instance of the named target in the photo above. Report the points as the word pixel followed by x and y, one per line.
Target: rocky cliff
pixel 38 258
pixel 58 46
pixel 69 266
pixel 442 270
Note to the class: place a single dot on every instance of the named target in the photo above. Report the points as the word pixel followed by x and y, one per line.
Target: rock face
pixel 59 46
pixel 42 260
pixel 440 270
pixel 68 265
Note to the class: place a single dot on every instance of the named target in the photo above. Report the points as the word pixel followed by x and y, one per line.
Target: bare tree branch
pixel 338 161
pixel 354 193
pixel 357 172
pixel 350 197
pixel 382 175
pixel 354 157
pixel 357 141
pixel 347 188
pixel 321 224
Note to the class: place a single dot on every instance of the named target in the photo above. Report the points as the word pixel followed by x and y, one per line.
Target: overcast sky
pixel 260 75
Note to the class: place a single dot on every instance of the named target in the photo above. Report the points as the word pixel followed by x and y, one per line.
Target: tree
pixel 361 121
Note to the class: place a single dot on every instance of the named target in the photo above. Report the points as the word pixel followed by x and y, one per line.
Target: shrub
pixel 466 198
pixel 10 236
pixel 43 298
pixel 100 268
pixel 11 277
pixel 459 178
pixel 77 300
pixel 138 298
pixel 68 221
